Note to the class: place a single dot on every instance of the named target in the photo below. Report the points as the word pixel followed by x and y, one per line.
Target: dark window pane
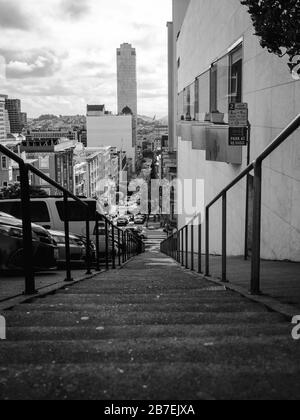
pixel 38 209
pixel 77 212
pixel 214 88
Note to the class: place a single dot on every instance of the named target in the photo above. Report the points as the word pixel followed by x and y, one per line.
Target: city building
pixel 55 159
pixel 127 79
pixel 127 84
pixel 219 61
pixel 3 124
pixel 174 27
pixel 24 120
pixel 13 106
pixel 9 170
pixel 81 179
pixel 105 129
pixel 50 136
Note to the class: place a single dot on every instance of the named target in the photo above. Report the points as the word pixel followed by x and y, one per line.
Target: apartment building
pixel 105 129
pixel 55 159
pixel 215 59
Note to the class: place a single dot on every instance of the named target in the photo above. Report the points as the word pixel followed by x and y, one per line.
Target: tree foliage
pixel 277 23
pixel 14 192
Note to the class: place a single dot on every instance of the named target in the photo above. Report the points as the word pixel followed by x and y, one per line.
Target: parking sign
pixel 238 124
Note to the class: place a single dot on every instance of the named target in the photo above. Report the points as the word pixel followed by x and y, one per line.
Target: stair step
pixel 236 351
pixel 139 331
pixel 65 319
pixel 144 307
pixel 177 382
pixel 162 298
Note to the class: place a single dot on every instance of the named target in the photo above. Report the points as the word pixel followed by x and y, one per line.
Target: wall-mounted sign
pixel 238 136
pixel 238 115
pixel 238 124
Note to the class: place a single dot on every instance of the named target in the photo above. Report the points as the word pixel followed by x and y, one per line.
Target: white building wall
pixel 210 28
pixel 114 131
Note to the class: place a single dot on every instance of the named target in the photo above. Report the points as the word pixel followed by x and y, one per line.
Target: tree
pixel 14 192
pixel 276 22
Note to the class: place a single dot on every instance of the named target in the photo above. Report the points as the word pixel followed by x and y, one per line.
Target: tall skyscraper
pixel 127 84
pixel 127 80
pixel 3 132
pixel 13 107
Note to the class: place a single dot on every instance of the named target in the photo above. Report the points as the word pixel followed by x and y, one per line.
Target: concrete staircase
pixel 148 331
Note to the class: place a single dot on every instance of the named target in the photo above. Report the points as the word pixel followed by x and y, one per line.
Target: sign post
pixel 239 135
pixel 238 124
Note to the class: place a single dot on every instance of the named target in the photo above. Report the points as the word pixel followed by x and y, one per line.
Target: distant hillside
pixel 163 120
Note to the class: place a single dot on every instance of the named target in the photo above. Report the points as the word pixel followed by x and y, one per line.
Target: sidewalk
pixel 280 280
pixel 150 331
pixel 13 286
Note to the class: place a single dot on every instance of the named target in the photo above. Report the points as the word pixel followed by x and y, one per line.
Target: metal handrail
pixel 182 249
pixel 257 207
pixel 128 238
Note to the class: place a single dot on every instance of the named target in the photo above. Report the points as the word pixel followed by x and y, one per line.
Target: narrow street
pixel 148 331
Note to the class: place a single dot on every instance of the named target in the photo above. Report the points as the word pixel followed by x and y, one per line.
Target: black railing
pixel 181 245
pixel 168 246
pixel 123 244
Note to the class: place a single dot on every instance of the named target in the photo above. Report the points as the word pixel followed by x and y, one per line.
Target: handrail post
pixel 255 269
pixel 192 246
pixel 27 232
pixel 224 238
pixel 113 247
pixel 200 248
pixel 97 244
pixel 119 247
pixel 178 246
pixel 67 238
pixel 187 247
pixel 106 245
pixel 182 247
pixel 88 242
pixel 207 272
pixel 123 246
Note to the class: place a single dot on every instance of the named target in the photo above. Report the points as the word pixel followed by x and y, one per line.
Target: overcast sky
pixel 59 55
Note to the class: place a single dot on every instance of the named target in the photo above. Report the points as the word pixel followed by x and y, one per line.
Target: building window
pixel 236 75
pixel 5 184
pixel 214 88
pixel 44 162
pixel 4 164
pixel 196 97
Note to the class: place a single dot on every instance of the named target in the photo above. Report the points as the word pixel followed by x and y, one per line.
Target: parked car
pixel 48 212
pixel 122 221
pixel 45 252
pixel 77 248
pixel 139 219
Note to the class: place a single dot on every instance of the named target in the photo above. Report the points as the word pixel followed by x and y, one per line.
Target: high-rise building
pixel 2 118
pixel 127 83
pixel 105 129
pixel 24 119
pixel 13 107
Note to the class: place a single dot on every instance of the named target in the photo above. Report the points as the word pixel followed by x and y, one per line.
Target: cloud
pixel 75 9
pixel 12 17
pixel 32 63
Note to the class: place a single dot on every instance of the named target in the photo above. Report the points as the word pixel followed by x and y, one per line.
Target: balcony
pixel 211 138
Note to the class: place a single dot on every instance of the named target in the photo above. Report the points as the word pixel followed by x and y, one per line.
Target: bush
pixel 276 22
